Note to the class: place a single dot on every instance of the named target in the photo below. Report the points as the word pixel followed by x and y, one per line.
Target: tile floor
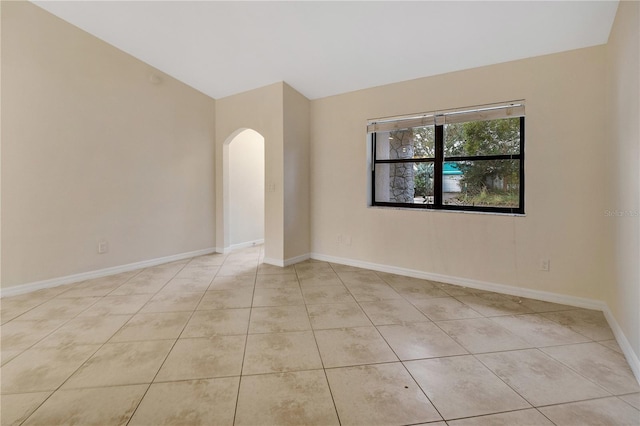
pixel 229 340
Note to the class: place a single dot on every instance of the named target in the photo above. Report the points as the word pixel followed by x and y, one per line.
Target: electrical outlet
pixel 103 247
pixel 545 264
pixel 339 239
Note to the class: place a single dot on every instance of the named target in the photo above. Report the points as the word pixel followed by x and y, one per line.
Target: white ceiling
pixel 326 48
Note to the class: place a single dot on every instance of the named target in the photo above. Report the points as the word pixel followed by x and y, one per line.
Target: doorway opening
pixel 244 189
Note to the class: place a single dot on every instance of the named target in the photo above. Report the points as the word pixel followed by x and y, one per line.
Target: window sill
pixel 446 211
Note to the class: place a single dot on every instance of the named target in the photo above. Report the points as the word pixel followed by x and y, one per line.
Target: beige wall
pixel 296 174
pixel 246 188
pixel 623 116
pixel 565 141
pixel 91 150
pixel 260 110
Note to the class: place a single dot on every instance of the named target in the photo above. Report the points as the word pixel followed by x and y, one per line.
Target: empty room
pixel 320 213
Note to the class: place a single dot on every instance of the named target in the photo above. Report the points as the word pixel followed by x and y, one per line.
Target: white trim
pixel 468 282
pixel 239 246
pixel 296 259
pixel 623 342
pixel 54 282
pixel 455 115
pixel 274 262
pixel 286 262
pixel 234 247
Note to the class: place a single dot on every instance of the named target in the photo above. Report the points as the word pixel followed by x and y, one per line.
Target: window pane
pixel 488 183
pixel 491 137
pixel 416 142
pixel 410 183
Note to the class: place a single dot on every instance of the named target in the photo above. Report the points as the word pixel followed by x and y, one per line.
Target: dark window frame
pixel 438 164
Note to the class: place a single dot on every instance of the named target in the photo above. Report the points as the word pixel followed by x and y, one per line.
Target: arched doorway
pixel 243 189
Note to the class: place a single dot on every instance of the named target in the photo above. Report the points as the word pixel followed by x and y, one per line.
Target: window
pixel 465 159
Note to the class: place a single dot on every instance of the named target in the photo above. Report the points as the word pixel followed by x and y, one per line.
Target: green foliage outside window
pixel 486 182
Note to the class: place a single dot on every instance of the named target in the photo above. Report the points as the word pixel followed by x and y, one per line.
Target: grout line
pixel 172 346
pixel 246 337
pixel 65 381
pixel 577 401
pixel 315 339
pixel 59 295
pixel 574 370
pixel 502 380
pixel 58 328
pixel 544 415
pixel 497 412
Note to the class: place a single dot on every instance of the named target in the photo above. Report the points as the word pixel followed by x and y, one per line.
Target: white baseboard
pixel 239 246
pixel 623 342
pixel 54 282
pixel 286 262
pixel 274 262
pixel 468 282
pixel 296 259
